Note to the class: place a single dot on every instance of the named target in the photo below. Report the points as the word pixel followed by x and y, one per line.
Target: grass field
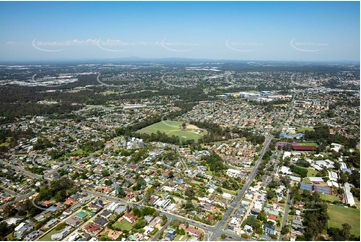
pixel 47 237
pixel 123 225
pixel 308 144
pixel 171 128
pixel 327 197
pixel 303 129
pixel 311 172
pixel 6 143
pixel 76 152
pixel 339 215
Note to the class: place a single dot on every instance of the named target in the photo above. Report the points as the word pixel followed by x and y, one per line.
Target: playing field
pixel 308 144
pixel 339 215
pixel 171 128
pixel 123 225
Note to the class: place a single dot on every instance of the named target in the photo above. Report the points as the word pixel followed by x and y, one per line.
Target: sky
pixel 272 31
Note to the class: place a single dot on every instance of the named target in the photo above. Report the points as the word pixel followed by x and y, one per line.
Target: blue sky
pixel 282 31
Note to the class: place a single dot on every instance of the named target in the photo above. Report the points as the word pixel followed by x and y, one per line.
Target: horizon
pixel 228 31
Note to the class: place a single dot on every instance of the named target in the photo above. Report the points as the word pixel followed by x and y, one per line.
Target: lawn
pixel 308 144
pixel 311 172
pixel 171 128
pixel 327 197
pixel 339 215
pixel 303 129
pixel 75 153
pixel 47 237
pixel 306 180
pixel 123 225
pixel 6 143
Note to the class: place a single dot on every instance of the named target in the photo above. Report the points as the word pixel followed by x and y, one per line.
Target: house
pixel 67 212
pixel 194 232
pixel 296 222
pixel 171 234
pixel 182 226
pixel 46 203
pixel 106 214
pixel 155 221
pixel 32 236
pixel 129 217
pixel 349 199
pixel 50 223
pixel 62 234
pixel 100 221
pixel 22 229
pixel 148 218
pixel 69 201
pixel 271 217
pixel 304 148
pixel 269 229
pixel 73 221
pixel 92 228
pixel 227 196
pixel 248 229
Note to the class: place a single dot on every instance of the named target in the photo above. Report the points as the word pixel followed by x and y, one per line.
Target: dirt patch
pixel 191 126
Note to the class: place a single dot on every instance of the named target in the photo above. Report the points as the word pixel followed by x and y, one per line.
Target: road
pixel 12 193
pixel 157 235
pixel 27 173
pixel 171 216
pixel 285 215
pixel 218 230
pixel 19 198
pixel 180 157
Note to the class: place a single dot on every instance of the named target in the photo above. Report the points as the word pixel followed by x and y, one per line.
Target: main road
pixel 27 173
pixel 218 230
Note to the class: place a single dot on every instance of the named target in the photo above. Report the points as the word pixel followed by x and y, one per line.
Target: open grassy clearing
pixel 75 153
pixel 307 143
pixel 47 237
pixel 327 197
pixel 171 128
pixel 303 129
pixel 311 172
pixel 339 215
pixel 123 225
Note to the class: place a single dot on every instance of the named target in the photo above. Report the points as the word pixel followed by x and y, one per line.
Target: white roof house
pixel 332 175
pixel 348 195
pixel 295 178
pixel 285 170
pixel 258 205
pixel 226 196
pixel 336 147
pixel 315 179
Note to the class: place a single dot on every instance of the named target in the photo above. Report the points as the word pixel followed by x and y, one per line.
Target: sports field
pixel 172 128
pixel 308 144
pixel 339 215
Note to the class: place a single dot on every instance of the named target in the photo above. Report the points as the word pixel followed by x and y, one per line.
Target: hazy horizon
pixel 244 31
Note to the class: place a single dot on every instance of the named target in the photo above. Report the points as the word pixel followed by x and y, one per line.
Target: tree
pixel 270 194
pixel 105 173
pixel 262 216
pixel 285 229
pixel 4 230
pixel 60 226
pixel 223 236
pixel 346 230
pixel 184 126
pixel 9 211
pixel 189 192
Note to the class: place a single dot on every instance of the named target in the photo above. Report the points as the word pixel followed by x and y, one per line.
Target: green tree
pixel 189 192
